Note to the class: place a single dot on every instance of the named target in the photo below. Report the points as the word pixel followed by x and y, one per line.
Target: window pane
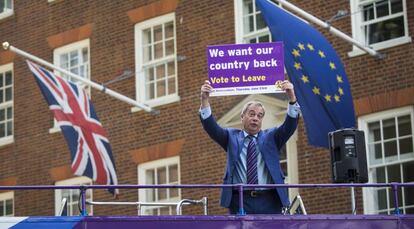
pixel 173 173
pixel 9 128
pixel 9 113
pixel 368 12
pixel 394 173
pixel 74 59
pixel 149 176
pixel 2 213
pixel 374 132
pixel 9 207
pixel 8 94
pixel 382 199
pixel 389 128
pixel 390 148
pixel 379 176
pixel 171 85
pixel 2 130
pixel 396 6
pixel 2 115
pixel 382 8
pixel 160 69
pixel 404 125
pixel 264 38
pixel 146 37
pixel 157 33
pixel 260 23
pixel 149 75
pixel 150 91
pixel 9 78
pixel 171 68
pixel 84 55
pixel 169 47
pixel 169 30
pixel 64 61
pixel 158 50
pixel 375 153
pixel 162 179
pixel 408 172
pixel 406 145
pixel 386 30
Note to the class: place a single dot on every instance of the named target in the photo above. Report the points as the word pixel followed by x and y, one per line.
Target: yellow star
pixel 339 79
pixel 297 66
pixel 316 91
pixel 301 46
pixel 341 91
pixel 332 65
pixel 305 79
pixel 295 52
pixel 310 47
pixel 337 98
pixel 322 54
pixel 327 98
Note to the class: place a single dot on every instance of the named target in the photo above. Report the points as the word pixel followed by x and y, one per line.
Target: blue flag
pixel 315 70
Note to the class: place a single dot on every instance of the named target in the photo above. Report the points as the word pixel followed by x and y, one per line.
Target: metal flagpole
pixel 330 28
pixel 102 88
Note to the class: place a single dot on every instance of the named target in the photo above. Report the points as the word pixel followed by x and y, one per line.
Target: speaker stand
pixel 353 200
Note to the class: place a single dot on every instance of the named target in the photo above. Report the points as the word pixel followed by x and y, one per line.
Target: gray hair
pixel 252 103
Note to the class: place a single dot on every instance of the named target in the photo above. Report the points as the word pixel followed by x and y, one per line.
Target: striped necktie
pixel 251 162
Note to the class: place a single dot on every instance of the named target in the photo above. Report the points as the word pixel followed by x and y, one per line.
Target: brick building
pixel 161 46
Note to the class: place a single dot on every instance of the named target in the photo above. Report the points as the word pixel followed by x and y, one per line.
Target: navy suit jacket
pixel 270 141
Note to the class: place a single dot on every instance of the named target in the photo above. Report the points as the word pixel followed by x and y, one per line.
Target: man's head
pixel 252 116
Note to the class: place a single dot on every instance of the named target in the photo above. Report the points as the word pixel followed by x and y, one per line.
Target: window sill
pixel 379 46
pixel 6 13
pixel 158 102
pixel 54 129
pixel 6 140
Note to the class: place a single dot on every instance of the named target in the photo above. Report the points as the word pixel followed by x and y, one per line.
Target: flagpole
pixel 330 28
pixel 7 46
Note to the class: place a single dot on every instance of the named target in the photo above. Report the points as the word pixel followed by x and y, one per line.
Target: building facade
pixel 159 47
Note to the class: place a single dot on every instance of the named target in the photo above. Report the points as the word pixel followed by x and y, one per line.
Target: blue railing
pixel 239 187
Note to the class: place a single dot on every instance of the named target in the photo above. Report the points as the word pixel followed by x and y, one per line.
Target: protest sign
pixel 245 68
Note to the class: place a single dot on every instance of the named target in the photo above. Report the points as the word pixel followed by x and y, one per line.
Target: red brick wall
pixel 35 152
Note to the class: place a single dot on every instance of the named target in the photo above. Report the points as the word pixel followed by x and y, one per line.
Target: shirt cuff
pixel 205 112
pixel 294 110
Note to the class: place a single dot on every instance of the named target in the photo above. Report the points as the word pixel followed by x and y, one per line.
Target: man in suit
pixel 252 153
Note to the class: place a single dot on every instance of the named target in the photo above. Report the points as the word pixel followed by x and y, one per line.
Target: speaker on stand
pixel 348 158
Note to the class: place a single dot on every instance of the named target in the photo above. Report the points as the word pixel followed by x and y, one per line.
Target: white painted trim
pixel 8 139
pixel 66 49
pixel 141 169
pixel 139 79
pixel 368 193
pixel 68 182
pixel 358 33
pixel 7 196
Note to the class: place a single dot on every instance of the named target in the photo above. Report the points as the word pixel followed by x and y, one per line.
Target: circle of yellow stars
pixel 296 52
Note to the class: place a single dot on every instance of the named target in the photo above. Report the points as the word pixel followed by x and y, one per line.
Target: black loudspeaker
pixel 348 156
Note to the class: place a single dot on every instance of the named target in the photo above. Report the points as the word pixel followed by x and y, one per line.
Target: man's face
pixel 252 119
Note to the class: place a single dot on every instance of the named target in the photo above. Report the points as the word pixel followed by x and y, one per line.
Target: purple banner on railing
pixel 245 68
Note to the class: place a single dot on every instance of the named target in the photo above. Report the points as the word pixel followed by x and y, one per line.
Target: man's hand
pixel 290 92
pixel 206 89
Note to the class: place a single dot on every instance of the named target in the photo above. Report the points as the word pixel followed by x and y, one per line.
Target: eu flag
pixel 315 70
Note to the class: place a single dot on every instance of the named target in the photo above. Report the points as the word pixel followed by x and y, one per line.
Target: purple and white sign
pixel 245 68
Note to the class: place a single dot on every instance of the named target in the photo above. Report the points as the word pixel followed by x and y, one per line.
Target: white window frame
pixel 66 49
pixel 8 139
pixel 242 37
pixel 143 167
pixel 6 196
pixel 358 30
pixel 140 77
pixel 72 182
pixel 7 11
pixel 369 193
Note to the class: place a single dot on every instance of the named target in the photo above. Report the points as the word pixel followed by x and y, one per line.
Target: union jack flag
pixel 89 147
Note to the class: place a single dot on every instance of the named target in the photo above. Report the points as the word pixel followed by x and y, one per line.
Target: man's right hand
pixel 206 89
